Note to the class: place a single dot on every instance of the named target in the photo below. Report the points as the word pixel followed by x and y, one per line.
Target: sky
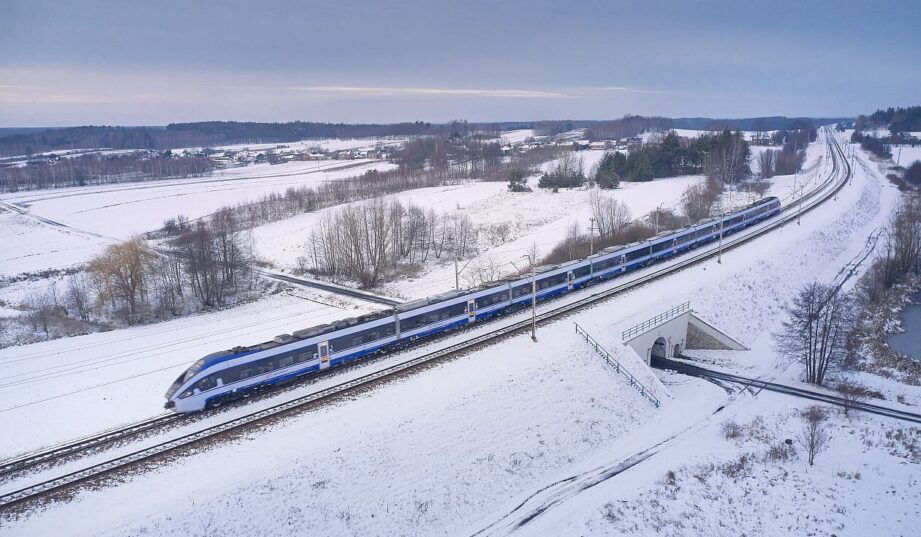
pixel 154 62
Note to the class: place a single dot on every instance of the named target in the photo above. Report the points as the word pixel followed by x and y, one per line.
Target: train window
pixel 494 298
pixel 206 383
pixel 607 263
pixel 581 271
pixel 285 362
pixel 636 254
pixel 301 358
pixel 521 290
pixel 364 336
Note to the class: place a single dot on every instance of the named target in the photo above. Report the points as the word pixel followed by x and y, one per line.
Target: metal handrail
pixel 635 382
pixel 649 324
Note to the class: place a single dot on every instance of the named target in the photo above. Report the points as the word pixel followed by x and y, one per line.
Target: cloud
pixel 627 89
pixel 447 92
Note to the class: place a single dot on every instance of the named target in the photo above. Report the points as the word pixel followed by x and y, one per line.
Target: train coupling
pixel 169 405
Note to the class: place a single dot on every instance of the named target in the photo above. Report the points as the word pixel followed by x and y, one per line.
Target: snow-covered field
pixel 516 136
pixel 534 438
pixel 539 218
pixel 100 214
pixel 905 155
pixel 30 246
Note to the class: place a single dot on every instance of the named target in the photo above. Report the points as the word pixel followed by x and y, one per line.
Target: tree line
pixel 101 169
pixel 897 119
pixel 626 127
pixel 206 133
pixel 722 156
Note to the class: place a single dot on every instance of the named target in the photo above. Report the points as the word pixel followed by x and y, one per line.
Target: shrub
pixel 731 430
pixel 568 173
pixel 913 174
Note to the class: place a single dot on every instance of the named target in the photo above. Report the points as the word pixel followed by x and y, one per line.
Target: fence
pixel 655 321
pixel 635 382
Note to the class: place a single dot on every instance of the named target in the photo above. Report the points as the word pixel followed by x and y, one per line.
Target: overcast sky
pixel 150 63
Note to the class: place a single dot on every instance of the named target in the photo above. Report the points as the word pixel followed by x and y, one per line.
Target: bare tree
pixel 78 295
pixel 38 311
pixel 698 200
pixel 766 163
pixel 815 332
pixel 611 215
pixel 814 437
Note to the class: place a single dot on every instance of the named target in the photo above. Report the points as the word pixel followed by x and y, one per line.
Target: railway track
pixel 835 181
pixel 701 372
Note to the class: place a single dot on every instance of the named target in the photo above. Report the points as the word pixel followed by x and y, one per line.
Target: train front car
pixel 185 394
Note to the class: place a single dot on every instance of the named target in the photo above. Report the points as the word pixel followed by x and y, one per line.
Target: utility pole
pixel 799 209
pixel 533 299
pixel 659 209
pixel 719 251
pixel 591 236
pixel 457 272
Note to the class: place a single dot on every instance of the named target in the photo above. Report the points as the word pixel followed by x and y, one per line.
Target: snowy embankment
pixel 490 438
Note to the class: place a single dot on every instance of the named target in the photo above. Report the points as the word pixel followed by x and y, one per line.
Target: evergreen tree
pixel 640 167
pixel 607 175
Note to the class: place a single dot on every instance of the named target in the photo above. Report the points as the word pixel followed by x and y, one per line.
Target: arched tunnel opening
pixel 659 349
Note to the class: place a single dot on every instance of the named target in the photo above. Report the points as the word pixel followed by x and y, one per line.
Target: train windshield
pixel 175 385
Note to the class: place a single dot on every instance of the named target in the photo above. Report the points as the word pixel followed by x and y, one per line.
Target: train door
pixel 674 246
pixel 569 280
pixel 471 310
pixel 323 352
pixel 623 262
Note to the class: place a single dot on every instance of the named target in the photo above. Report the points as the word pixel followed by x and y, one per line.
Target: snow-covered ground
pixel 88 383
pixel 31 246
pixel 100 214
pixel 516 136
pixel 539 218
pixel 905 155
pixel 541 433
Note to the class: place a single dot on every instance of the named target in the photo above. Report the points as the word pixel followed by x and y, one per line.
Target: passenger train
pixel 239 372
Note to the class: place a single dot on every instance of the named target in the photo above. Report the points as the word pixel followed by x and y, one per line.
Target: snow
pixel 93 216
pixel 30 246
pixel 905 155
pixel 519 428
pixel 88 383
pixel 516 136
pixel 282 242
pixel 541 217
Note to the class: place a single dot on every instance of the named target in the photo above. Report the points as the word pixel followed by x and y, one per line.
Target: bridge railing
pixel 635 382
pixel 649 324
